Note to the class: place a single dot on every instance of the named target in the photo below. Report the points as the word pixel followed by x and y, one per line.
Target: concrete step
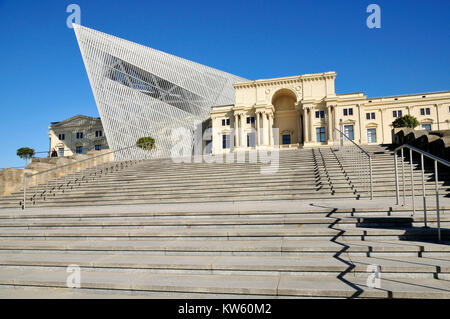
pixel 400 266
pixel 269 285
pixel 220 221
pixel 238 247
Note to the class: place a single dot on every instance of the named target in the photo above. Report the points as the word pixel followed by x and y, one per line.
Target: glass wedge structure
pixel 140 91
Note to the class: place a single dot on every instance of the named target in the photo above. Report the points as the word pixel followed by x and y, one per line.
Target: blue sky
pixel 44 79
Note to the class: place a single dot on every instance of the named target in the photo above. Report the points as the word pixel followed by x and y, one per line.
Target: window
pixel 79 150
pixel 367 116
pixel 79 135
pixel 208 147
pixel 61 151
pixel 286 139
pixel 370 116
pixel 225 122
pixel 348 131
pixel 225 141
pixel 320 114
pixel 345 112
pixel 426 127
pixel 372 135
pixel 320 134
pixel 61 137
pixel 373 116
pixel 397 113
pixel 98 133
pixel 250 119
pixel 98 147
pixel 427 111
pixel 424 111
pixel 348 111
pixel 251 139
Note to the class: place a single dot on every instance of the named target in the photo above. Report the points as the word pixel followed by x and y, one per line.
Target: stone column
pixel 258 131
pixel 299 124
pixel 270 129
pixel 311 127
pixel 264 128
pixel 243 143
pixel 305 124
pixel 236 127
pixel 330 130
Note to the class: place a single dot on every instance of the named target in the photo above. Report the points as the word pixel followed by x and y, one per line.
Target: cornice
pixel 285 80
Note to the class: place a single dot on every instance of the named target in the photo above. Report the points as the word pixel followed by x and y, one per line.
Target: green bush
pixel 146 143
pixel 405 121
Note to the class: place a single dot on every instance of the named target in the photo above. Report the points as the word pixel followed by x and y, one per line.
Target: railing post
pixel 412 181
pixel 24 190
pixel 423 192
pixel 436 181
pixel 396 178
pixel 371 178
pixel 403 177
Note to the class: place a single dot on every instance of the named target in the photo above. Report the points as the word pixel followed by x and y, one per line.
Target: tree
pixel 405 121
pixel 146 143
pixel 25 153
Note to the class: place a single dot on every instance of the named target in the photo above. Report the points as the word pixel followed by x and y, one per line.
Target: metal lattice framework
pixel 141 91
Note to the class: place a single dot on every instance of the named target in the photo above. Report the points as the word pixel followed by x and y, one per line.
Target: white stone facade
pixel 77 135
pixel 304 111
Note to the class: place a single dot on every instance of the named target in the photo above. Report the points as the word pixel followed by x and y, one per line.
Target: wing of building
pixel 305 111
pixel 140 91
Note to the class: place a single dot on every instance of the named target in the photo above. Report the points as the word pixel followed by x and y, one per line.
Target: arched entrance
pixel 286 116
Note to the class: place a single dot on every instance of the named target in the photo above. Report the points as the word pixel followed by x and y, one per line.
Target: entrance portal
pixel 286 116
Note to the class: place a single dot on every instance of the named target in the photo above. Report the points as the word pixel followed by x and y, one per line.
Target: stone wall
pixel 434 142
pixel 11 179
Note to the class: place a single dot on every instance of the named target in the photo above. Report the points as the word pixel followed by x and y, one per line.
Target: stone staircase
pixel 301 174
pixel 138 251
pixel 203 230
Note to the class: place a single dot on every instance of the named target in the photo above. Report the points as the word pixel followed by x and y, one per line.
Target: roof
pixel 73 118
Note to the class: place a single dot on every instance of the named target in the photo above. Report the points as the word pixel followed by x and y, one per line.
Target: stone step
pixel 269 285
pixel 215 247
pixel 227 233
pixel 418 267
pixel 228 221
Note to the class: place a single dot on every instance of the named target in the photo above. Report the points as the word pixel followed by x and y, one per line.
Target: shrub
pixel 405 121
pixel 146 143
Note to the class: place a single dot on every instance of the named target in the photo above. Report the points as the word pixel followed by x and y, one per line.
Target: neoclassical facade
pixel 77 135
pixel 304 111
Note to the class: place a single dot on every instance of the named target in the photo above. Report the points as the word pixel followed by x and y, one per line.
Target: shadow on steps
pixel 412 233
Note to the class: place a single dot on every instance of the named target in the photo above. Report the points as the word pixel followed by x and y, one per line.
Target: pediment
pixel 78 120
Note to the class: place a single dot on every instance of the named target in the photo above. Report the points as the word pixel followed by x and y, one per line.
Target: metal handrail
pixel 436 180
pixel 349 139
pixel 364 152
pixel 73 164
